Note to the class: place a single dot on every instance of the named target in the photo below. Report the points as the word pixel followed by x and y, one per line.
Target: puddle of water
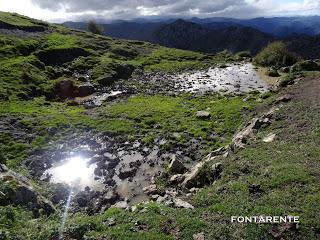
pixel 232 79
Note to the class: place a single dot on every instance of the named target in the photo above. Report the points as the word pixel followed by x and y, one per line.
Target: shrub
pixel 308 65
pixel 272 72
pixel 95 28
pixel 275 54
pixel 287 80
pixel 244 54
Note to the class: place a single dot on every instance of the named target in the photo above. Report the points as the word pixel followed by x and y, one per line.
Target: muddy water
pixel 234 78
pixel 106 165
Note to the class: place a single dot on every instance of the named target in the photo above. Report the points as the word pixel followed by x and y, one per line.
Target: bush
pixel 244 54
pixel 95 28
pixel 275 54
pixel 272 72
pixel 308 65
pixel 287 80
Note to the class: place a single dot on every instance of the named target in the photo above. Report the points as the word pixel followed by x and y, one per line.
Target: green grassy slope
pixel 26 58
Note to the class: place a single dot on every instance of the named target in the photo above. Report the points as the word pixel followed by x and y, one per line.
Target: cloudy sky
pixel 61 10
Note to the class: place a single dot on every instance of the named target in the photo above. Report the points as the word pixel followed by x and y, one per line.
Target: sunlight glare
pixel 75 172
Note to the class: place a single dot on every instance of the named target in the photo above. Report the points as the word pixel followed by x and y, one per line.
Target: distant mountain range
pixel 217 34
pixel 277 26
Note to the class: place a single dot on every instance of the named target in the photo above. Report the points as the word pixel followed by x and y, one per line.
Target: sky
pixel 75 10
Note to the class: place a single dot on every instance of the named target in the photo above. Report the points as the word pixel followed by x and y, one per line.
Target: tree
pixel 95 28
pixel 275 54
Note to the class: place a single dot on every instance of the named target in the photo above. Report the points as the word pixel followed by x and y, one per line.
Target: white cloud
pixel 127 9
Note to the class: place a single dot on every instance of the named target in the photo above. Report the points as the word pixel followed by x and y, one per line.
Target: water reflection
pixel 74 171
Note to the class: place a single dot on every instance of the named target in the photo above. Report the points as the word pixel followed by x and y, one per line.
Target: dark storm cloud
pixel 137 8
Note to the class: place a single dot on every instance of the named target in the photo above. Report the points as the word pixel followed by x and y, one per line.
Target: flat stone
pixel 198 236
pixel 121 205
pixel 270 138
pixel 285 98
pixel 203 115
pixel 178 203
pixel 175 179
pixel 151 189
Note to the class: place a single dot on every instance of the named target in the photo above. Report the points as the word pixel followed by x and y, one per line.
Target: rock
pixel 161 199
pixel 125 71
pixel 151 189
pixel 216 170
pixel 127 172
pixel 111 197
pixel 192 177
pixel 176 135
pixel 154 197
pixel 219 151
pixel 25 195
pixel 111 222
pixel 193 190
pixel 18 191
pixel 198 236
pixel 285 98
pixel 65 89
pixel 3 168
pixel 134 208
pixel 253 188
pixel 109 156
pixel 121 205
pixel 176 179
pixel 178 203
pixel 85 90
pixel 82 199
pixel 97 172
pixel 285 69
pixel 269 138
pixel 242 137
pixel 196 178
pixel 176 166
pixel 203 115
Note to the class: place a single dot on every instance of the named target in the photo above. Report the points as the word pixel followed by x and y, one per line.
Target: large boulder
pixel 176 166
pixel 124 71
pixel 16 190
pixel 85 90
pixel 66 88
